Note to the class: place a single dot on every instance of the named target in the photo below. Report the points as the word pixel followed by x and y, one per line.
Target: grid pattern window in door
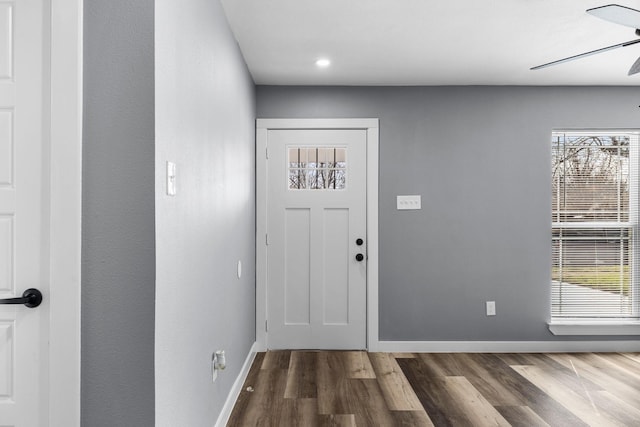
pixel 317 168
pixel 594 225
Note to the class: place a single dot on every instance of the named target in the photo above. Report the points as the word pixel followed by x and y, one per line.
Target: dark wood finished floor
pixel 355 388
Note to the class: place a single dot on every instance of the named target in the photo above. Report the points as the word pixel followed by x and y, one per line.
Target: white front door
pixel 26 217
pixel 317 243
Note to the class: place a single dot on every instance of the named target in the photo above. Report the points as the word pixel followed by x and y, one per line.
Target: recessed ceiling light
pixel 323 63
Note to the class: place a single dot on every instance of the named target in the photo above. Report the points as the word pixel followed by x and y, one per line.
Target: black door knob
pixel 359 257
pixel 30 298
pixel 359 242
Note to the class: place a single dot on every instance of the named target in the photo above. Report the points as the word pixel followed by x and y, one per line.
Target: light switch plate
pixel 171 179
pixel 405 203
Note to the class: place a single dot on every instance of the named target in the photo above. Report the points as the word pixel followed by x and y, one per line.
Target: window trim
pixel 603 326
pixel 593 327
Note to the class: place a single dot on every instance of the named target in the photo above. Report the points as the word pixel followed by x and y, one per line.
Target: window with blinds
pixel 594 225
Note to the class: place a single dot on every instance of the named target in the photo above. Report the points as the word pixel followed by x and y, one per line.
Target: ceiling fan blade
pixel 617 14
pixel 583 55
pixel 635 68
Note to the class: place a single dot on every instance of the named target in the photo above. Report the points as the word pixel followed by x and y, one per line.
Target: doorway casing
pixel 65 211
pixel 65 180
pixel 262 129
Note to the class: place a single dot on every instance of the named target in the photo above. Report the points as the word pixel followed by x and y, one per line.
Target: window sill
pixel 594 327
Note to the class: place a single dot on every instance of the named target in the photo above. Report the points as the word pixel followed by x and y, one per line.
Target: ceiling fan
pixel 619 15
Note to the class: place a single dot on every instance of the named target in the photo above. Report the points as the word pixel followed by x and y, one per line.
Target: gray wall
pixel 205 123
pixel 148 334
pixel 118 255
pixel 480 158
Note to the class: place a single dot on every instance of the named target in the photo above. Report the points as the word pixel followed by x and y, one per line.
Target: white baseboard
pixel 223 418
pixel 505 346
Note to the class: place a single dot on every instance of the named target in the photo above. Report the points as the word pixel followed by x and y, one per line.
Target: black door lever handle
pixel 30 298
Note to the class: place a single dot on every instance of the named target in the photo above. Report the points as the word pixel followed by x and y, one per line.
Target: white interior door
pixel 316 235
pixel 23 214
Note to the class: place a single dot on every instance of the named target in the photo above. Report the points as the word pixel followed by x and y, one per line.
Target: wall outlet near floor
pixel 491 308
pixel 218 363
pixel 214 371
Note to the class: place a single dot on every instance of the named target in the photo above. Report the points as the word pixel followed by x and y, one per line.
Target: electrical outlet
pixel 221 362
pixel 218 363
pixel 491 308
pixel 214 371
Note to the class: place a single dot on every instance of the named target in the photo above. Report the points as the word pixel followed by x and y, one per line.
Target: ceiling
pixel 429 42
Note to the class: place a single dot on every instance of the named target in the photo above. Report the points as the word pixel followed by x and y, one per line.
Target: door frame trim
pixel 65 136
pixel 372 128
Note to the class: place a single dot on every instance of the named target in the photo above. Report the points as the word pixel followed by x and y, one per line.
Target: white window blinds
pixel 594 225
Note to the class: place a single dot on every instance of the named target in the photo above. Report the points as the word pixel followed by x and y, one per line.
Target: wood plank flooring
pixel 356 388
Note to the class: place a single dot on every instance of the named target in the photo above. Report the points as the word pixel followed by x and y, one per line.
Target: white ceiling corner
pixel 425 42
